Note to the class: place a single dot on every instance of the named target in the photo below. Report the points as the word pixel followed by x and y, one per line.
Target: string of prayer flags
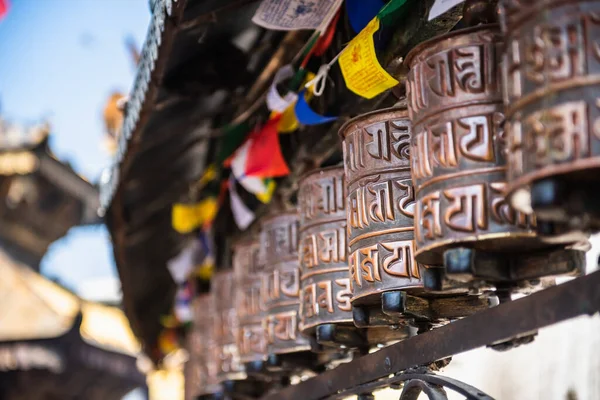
pixel 361 12
pixel 275 102
pixel 242 215
pixel 306 116
pixel 361 70
pixel 186 218
pixel 292 15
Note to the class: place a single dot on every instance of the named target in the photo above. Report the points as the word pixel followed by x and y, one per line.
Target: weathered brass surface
pixel 250 308
pixel 552 86
pixel 225 324
pixel 380 204
pixel 201 369
pixel 324 282
pixel 458 151
pixel 281 284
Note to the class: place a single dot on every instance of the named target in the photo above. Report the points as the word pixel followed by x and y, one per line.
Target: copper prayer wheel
pixel 281 285
pixel 225 327
pixel 201 368
pixel 458 154
pixel 250 307
pixel 458 165
pixel 324 283
pixel 552 81
pixel 380 204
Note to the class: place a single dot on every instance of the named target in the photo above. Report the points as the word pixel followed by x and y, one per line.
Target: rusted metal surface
pixel 552 79
pixel 281 285
pixel 201 368
pixel 225 327
pixel 324 282
pixel 512 319
pixel 458 147
pixel 380 203
pixel 250 307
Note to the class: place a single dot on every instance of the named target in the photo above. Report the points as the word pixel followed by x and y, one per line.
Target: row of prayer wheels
pixel 481 186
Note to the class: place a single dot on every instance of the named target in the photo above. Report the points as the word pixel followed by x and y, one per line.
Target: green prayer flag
pixel 232 138
pixel 392 10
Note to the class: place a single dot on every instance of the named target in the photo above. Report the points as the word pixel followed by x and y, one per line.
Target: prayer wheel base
pixel 399 309
pixel 524 272
pixel 342 336
pixel 569 203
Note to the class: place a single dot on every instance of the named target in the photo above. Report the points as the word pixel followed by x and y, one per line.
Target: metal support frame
pixel 394 363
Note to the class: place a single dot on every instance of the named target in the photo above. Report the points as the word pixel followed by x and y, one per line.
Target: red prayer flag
pixel 3 8
pixel 264 155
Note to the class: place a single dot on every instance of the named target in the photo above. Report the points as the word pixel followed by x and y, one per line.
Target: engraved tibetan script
pixel 325 247
pixel 375 262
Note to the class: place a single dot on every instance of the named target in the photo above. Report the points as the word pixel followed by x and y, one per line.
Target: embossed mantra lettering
pixel 373 201
pixel 453 75
pixel 393 258
pixel 380 143
pixel 468 209
pixel 463 141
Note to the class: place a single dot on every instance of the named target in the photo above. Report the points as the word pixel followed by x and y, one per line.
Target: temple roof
pixel 41 309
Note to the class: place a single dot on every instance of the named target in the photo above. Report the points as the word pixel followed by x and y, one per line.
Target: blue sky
pixel 60 60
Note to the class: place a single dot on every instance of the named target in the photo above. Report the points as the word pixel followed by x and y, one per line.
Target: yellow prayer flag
pixel 266 196
pixel 288 122
pixel 187 217
pixel 209 175
pixel 206 270
pixel 361 69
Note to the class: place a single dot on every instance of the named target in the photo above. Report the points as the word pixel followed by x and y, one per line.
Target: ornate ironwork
pixel 225 327
pixel 497 324
pixel 281 286
pixel 552 78
pixel 249 299
pixel 413 383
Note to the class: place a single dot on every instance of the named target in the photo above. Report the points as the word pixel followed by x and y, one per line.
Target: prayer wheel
pixel 200 370
pixel 551 85
pixel 458 165
pixel 225 325
pixel 380 205
pixel 326 293
pixel 249 271
pixel 324 283
pixel 281 286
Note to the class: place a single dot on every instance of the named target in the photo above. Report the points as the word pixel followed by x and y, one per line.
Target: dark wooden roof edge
pixel 161 31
